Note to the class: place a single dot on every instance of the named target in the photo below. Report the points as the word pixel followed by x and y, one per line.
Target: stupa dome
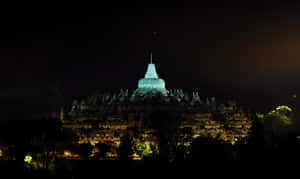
pixel 151 83
pixel 151 79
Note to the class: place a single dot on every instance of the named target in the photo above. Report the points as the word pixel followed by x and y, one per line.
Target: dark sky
pixel 246 51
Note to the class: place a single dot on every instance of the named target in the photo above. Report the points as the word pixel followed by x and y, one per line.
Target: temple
pixel 151 83
pixel 106 118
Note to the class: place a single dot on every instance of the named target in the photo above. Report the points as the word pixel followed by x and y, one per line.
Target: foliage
pixel 260 116
pixel 33 163
pixel 28 159
pixel 155 150
pixel 282 113
pixel 143 149
pixel 147 151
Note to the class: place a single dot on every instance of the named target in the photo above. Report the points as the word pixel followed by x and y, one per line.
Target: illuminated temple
pixel 151 83
pixel 106 117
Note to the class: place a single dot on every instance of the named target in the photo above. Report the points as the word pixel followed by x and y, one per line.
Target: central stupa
pixel 151 83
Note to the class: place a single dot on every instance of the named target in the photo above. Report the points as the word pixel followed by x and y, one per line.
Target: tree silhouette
pixel 166 124
pixel 125 150
pixel 103 148
pixel 253 146
pixel 205 148
pixel 85 150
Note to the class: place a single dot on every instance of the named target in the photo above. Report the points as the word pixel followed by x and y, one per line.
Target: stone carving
pixel 176 96
pixel 123 95
pixel 186 98
pixel 94 99
pixel 82 106
pixel 232 104
pixel 213 100
pixel 105 98
pixel 195 98
pixel 125 92
pixel 74 105
pixel 132 98
pixel 207 101
pixel 113 99
pixel 179 95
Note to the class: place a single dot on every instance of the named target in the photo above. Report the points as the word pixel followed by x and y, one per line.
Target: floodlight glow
pixel 27 159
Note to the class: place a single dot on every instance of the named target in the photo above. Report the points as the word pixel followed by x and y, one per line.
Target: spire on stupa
pixel 151 71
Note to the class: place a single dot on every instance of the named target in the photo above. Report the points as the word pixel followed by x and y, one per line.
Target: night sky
pixel 250 52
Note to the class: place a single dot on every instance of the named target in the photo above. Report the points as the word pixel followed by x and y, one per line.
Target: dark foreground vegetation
pixel 272 142
pixel 72 169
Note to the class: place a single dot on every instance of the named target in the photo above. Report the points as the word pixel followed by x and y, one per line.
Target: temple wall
pixel 110 123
